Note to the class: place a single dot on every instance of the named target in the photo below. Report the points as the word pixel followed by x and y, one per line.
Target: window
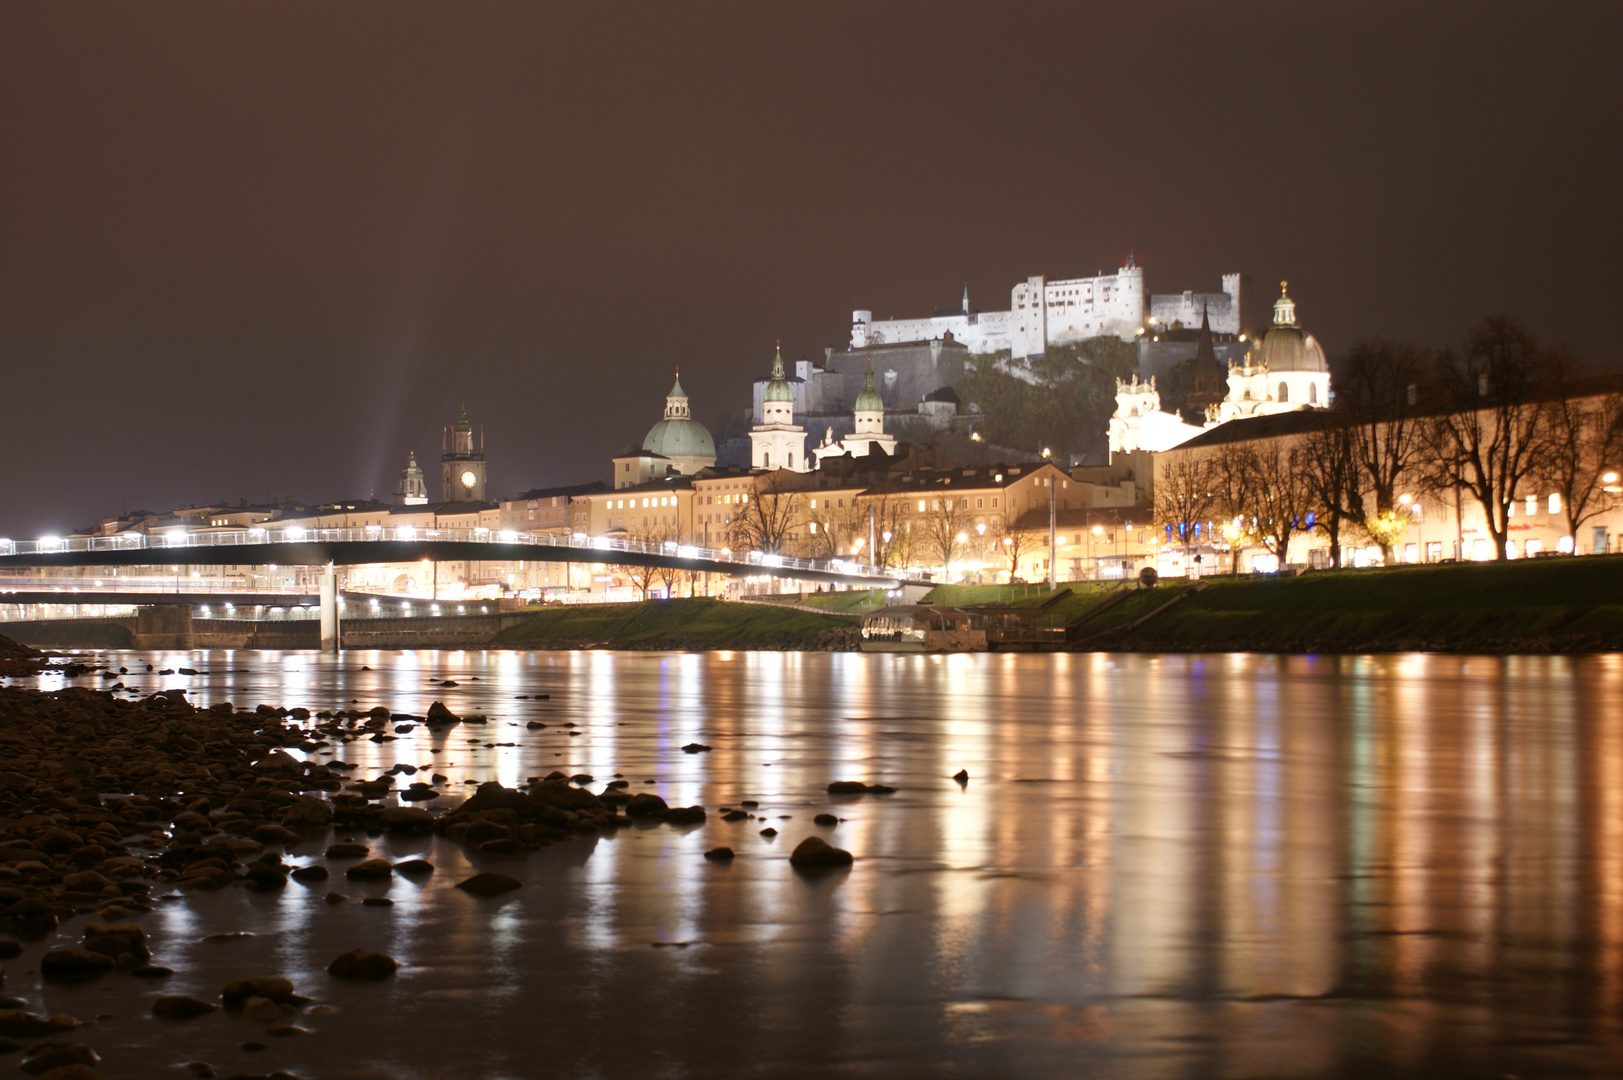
pixel 1313 394
pixel 1555 504
pixel 980 504
pixel 1532 505
pixel 1284 393
pixel 921 506
pixel 994 502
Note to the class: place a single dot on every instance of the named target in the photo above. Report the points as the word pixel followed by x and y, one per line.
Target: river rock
pixel 685 815
pixel 695 748
pixel 309 874
pixel 260 1010
pixel 828 820
pixel 56 1054
pixel 74 965
pixel 408 819
pixel 124 943
pixel 370 870
pixel 238 992
pixel 180 1007
pixel 75 1071
pixel 719 854
pixel 815 853
pixel 348 851
pixel 362 964
pixel 645 804
pixel 489 884
pixel 18 1024
pixel 414 868
pixel 439 715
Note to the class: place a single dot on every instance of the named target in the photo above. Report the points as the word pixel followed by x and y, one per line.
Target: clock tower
pixel 462 470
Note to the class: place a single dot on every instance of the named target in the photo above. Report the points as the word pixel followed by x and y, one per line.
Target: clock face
pixel 468 479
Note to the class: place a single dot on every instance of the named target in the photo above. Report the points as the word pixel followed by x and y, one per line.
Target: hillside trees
pixel 1062 399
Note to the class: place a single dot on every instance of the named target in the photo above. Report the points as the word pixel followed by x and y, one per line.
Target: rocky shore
pixel 104 801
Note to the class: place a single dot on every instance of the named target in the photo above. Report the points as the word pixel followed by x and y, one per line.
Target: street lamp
pixel 1098 531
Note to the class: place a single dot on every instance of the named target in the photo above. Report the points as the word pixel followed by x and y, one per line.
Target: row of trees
pixel 1493 420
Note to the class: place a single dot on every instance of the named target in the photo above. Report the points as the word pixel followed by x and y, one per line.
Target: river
pixel 1159 866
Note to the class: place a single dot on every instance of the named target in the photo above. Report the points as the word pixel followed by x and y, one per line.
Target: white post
pixel 329 610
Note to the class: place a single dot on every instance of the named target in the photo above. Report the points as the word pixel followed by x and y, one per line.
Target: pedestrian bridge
pixel 295 545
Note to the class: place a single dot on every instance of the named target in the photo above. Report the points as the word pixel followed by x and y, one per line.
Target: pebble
pixel 180 1007
pixel 489 884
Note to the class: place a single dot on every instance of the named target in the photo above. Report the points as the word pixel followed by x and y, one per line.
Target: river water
pixel 1160 866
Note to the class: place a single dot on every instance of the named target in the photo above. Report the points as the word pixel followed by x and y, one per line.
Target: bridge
pixel 295 545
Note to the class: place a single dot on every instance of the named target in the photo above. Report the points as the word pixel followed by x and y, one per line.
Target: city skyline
pixel 279 266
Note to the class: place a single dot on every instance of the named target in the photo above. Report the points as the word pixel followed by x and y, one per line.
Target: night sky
pixel 262 250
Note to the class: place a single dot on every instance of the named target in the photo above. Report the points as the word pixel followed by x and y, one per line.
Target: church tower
pixel 776 442
pixel 462 471
pixel 413 488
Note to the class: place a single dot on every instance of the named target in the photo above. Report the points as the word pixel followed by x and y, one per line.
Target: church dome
pixel 679 435
pixel 869 400
pixel 1286 346
pixel 778 388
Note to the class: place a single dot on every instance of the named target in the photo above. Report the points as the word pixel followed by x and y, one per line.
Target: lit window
pixel 1532 505
pixel 1555 504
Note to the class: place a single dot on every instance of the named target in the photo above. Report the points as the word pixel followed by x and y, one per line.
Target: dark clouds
pixel 252 250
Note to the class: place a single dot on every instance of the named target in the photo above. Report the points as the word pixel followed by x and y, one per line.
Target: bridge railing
pixel 606 546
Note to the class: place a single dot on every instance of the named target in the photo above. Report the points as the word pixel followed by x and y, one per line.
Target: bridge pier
pixel 329 610
pixel 163 626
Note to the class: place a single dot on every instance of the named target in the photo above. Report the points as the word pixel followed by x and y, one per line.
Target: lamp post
pixel 1098 531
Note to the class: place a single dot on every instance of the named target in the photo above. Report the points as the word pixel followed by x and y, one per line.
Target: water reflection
pixel 1179 865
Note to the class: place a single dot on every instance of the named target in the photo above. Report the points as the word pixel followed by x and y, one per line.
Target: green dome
pixel 869 400
pixel 679 435
pixel 1286 346
pixel 680 438
pixel 778 388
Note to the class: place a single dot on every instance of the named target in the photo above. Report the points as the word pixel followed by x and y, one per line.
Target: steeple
pixel 1284 308
pixel 462 419
pixel 966 298
pixel 413 488
pixel 778 388
pixel 869 400
pixel 1204 353
pixel 676 402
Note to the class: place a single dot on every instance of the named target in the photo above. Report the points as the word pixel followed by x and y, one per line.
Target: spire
pixel 778 388
pixel 462 419
pixel 1284 308
pixel 412 468
pixel 1204 353
pixel 966 298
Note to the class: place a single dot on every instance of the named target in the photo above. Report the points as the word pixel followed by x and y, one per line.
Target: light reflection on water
pixel 1160 866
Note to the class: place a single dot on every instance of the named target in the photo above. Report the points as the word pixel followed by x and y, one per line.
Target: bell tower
pixel 462 469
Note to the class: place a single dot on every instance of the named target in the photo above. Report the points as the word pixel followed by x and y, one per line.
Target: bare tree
pixel 1279 496
pixel 893 534
pixel 1330 471
pixel 1015 539
pixel 1234 475
pixel 1184 495
pixel 765 520
pixel 946 519
pixel 1378 398
pixel 1488 439
pixel 1583 443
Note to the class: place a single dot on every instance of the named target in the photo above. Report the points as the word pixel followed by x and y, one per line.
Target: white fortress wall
pixel 1223 309
pixel 982 332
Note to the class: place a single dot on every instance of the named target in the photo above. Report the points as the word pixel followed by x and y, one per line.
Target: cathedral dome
pixel 679 435
pixel 1286 346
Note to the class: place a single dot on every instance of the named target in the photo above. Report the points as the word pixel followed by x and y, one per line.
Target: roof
pixel 557 492
pixel 777 389
pixel 1272 426
pixel 446 508
pixel 669 482
pixel 679 438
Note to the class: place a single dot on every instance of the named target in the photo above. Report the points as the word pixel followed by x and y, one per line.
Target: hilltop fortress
pixel 1044 313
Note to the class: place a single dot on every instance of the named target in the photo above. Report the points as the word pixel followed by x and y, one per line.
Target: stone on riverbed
pixel 180 1007
pixel 51 1058
pixel 74 965
pixel 362 964
pixel 370 870
pixel 815 853
pixel 489 884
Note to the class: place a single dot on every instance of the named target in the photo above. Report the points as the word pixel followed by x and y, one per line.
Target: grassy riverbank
pixel 682 623
pixel 1543 605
